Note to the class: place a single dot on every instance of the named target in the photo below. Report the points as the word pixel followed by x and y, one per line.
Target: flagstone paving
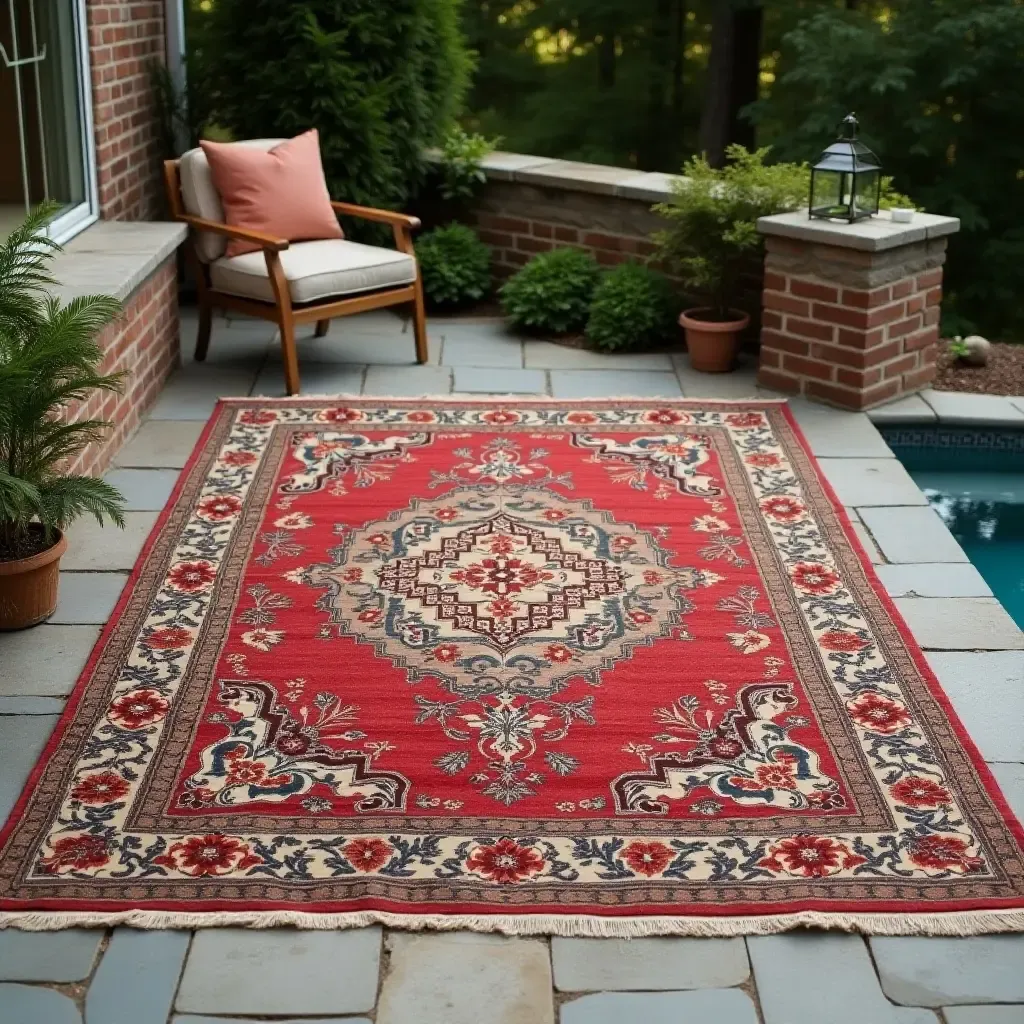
pixel 218 976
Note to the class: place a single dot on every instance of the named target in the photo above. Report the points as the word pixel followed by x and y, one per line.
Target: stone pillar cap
pixel 873 235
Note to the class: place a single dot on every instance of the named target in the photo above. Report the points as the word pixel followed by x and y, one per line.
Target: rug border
pixel 958 923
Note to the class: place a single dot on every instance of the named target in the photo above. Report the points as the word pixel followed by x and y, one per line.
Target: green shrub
pixel 455 264
pixel 380 81
pixel 633 307
pixel 552 292
pixel 458 164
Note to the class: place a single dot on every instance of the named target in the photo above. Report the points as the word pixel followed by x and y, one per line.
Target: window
pixel 45 114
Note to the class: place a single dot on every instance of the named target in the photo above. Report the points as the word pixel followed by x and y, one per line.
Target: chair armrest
pixel 384 216
pixel 264 241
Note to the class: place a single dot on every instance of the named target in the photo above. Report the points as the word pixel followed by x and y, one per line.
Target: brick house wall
pixel 123 39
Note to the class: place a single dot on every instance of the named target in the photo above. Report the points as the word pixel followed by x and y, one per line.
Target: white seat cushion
pixel 315 270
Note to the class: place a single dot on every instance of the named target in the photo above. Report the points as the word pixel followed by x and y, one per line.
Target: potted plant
pixel 711 242
pixel 48 359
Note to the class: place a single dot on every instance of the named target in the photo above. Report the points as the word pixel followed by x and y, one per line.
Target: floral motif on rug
pixel 617 669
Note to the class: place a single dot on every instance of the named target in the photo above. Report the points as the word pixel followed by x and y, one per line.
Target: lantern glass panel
pixel 827 193
pixel 866 194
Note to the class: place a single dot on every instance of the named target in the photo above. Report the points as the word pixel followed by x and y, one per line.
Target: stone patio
pixel 221 975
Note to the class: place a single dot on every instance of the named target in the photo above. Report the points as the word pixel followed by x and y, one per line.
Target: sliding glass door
pixel 45 114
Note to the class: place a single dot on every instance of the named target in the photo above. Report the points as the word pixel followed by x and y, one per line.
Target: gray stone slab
pixel 22 738
pixel 241 345
pixel 137 977
pixel 804 977
pixel 739 383
pixel 957 407
pixel 459 977
pixel 31 705
pixel 1010 778
pixel 934 579
pixel 833 433
pixel 481 348
pixel 357 340
pixel 45 660
pixel 872 235
pixel 30 1004
pixel 869 482
pixel 712 1006
pixel 983 1014
pixel 276 972
pixel 160 444
pixel 652 187
pixel 961 624
pixel 495 381
pixel 407 381
pixel 188 1018
pixel 502 166
pixel 946 971
pixel 638 965
pixel 576 176
pixel 911 535
pixel 193 391
pixel 314 379
pixel 48 956
pixel 143 490
pixel 547 355
pixel 987 691
pixel 100 548
pixel 87 598
pixel 865 538
pixel 614 384
pixel 912 409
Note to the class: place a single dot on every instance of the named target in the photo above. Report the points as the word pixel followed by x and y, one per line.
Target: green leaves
pixel 552 293
pixel 633 307
pixel 459 164
pixel 455 265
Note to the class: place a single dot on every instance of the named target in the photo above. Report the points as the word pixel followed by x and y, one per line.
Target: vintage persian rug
pixel 603 668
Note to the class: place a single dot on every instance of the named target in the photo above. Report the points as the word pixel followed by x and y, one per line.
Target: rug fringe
pixel 960 924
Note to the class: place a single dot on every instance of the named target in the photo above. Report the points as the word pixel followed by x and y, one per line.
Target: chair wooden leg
pixel 322 327
pixel 419 324
pixel 205 326
pixel 289 355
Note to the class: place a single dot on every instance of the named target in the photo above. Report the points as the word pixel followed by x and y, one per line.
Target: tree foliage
pixel 48 359
pixel 381 82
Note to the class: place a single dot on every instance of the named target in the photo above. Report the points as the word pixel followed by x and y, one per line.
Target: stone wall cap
pixel 653 187
pixel 577 176
pixel 873 235
pixel 114 257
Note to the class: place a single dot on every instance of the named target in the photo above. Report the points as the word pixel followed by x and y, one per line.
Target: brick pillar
pixel 851 312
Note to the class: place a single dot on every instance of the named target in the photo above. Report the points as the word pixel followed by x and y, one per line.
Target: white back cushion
pixel 202 200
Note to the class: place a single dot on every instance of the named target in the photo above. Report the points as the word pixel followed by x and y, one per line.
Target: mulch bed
pixel 1003 375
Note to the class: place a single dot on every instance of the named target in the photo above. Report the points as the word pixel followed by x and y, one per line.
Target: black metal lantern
pixel 846 183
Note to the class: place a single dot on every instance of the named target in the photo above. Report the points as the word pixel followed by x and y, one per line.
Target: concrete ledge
pixel 114 257
pixel 873 235
pixel 953 409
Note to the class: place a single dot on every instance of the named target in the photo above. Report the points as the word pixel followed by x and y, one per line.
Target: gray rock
pixel 978 352
pixel 948 971
pixel 280 971
pixel 48 956
pixel 137 977
pixel 810 977
pixel 29 1004
pixel 638 965
pixel 462 977
pixel 709 1006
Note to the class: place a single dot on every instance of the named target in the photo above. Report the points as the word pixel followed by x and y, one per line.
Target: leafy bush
pixel 552 292
pixel 459 163
pixel 381 82
pixel 48 359
pixel 633 307
pixel 455 264
pixel 712 237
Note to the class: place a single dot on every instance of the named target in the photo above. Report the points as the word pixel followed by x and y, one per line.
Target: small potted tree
pixel 48 359
pixel 711 242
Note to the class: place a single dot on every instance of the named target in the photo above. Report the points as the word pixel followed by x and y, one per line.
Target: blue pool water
pixel 975 481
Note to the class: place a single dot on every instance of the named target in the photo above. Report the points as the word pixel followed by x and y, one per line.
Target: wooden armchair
pixel 290 283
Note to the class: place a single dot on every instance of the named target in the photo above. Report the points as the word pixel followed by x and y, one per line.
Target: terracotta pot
pixel 28 587
pixel 712 344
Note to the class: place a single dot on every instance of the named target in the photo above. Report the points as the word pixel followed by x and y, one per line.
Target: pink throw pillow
pixel 281 191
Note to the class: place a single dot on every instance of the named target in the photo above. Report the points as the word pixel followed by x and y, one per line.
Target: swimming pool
pixel 974 479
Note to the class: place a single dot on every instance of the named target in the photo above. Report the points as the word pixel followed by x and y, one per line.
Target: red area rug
pixel 615 668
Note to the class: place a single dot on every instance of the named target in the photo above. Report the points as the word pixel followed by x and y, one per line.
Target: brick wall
pixel 144 344
pixel 518 221
pixel 850 327
pixel 123 39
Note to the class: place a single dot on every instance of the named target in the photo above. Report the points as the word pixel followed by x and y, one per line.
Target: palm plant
pixel 49 359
